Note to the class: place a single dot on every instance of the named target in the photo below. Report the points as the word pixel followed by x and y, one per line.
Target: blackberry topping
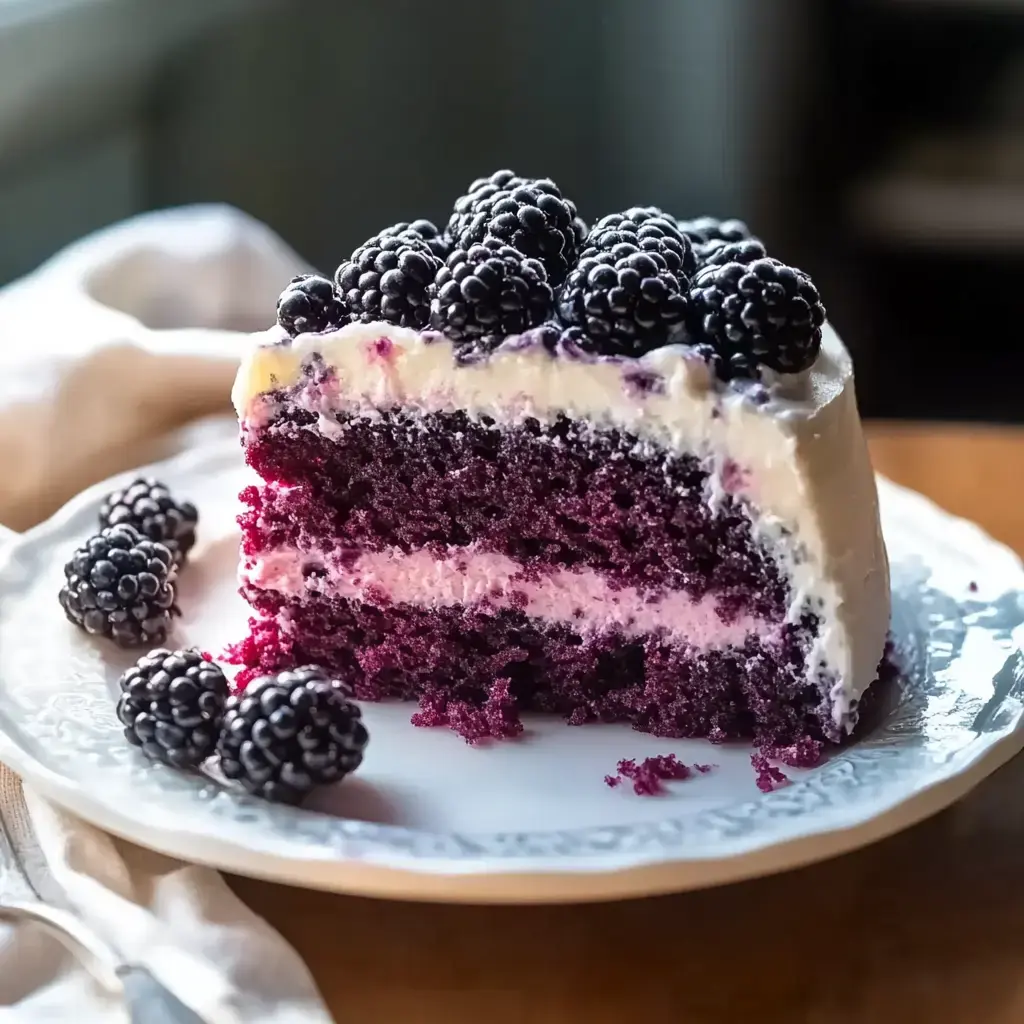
pixel 528 214
pixel 490 290
pixel 710 229
pixel 481 190
pixel 649 229
pixel 171 706
pixel 309 305
pixel 718 253
pixel 439 244
pixel 624 298
pixel 580 230
pixel 121 585
pixel 765 311
pixel 289 733
pixel 387 279
pixel 149 506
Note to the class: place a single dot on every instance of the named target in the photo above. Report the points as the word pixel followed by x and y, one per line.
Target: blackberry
pixel 171 706
pixel 309 305
pixel 440 245
pixel 289 733
pixel 625 299
pixel 529 214
pixel 479 192
pixel 490 290
pixel 718 253
pixel 388 278
pixel 149 506
pixel 711 229
pixel 766 311
pixel 649 229
pixel 121 585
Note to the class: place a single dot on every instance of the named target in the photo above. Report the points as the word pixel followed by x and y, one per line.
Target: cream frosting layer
pixel 806 477
pixel 494 581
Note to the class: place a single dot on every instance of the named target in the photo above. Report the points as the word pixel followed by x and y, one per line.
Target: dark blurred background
pixel 877 143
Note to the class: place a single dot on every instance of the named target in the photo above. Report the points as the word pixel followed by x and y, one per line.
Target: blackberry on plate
pixel 490 290
pixel 121 585
pixel 309 305
pixel 440 245
pixel 765 310
pixel 718 253
pixel 649 229
pixel 529 214
pixel 711 229
pixel 171 706
pixel 148 505
pixel 388 278
pixel 288 733
pixel 625 299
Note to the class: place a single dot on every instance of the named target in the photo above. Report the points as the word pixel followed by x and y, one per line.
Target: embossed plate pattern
pixel 429 817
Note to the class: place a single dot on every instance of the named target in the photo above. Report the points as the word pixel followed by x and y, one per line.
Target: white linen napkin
pixel 107 354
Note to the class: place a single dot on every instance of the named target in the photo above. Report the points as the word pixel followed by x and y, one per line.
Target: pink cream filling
pixel 469 577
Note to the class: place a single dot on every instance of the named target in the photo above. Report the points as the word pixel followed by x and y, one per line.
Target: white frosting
pixel 795 454
pixel 468 576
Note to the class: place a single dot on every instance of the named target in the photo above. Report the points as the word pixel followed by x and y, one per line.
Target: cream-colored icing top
pixel 809 477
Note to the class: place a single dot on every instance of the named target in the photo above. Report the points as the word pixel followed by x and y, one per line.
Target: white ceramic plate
pixel 429 817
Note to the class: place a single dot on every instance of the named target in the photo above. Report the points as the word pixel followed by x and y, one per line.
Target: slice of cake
pixel 616 475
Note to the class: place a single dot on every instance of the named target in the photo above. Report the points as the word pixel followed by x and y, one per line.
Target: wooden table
pixel 928 925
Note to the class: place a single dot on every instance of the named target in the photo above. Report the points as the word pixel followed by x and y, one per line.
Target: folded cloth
pixel 180 921
pixel 117 342
pixel 109 355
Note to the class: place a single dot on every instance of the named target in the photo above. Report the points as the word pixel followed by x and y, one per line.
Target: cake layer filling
pixel 560 496
pixel 468 654
pixel 466 576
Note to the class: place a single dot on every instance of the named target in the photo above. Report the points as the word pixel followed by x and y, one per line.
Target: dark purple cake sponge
pixel 561 496
pixel 506 661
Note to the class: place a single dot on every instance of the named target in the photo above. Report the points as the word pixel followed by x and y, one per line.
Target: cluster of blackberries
pixel 121 583
pixel 515 256
pixel 282 737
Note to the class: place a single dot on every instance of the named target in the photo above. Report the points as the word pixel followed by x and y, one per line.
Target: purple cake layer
pixel 504 661
pixel 558 497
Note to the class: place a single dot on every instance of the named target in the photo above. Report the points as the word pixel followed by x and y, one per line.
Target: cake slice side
pixel 610 539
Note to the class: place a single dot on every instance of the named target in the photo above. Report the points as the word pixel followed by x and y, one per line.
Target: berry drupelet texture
pixel 148 506
pixel 388 278
pixel 288 733
pixel 490 290
pixel 121 585
pixel 765 311
pixel 703 230
pixel 648 229
pixel 424 230
pixel 718 253
pixel 529 214
pixel 171 706
pixel 309 305
pixel 625 298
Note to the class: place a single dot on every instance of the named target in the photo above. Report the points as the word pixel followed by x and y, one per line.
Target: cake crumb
pixel 769 777
pixel 496 719
pixel 648 776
